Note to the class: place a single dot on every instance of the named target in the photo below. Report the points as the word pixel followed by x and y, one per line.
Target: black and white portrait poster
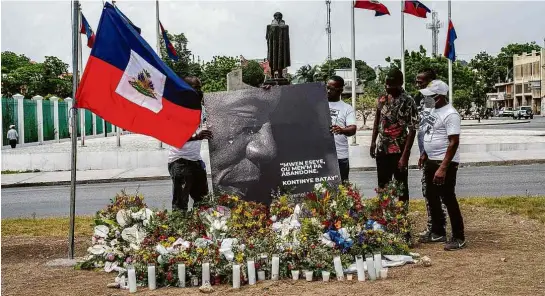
pixel 265 140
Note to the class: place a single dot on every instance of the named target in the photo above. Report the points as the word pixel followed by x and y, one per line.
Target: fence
pixel 55 124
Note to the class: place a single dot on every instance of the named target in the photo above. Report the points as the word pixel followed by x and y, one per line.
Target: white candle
pixel 132 280
pixel 378 264
pixel 275 267
pixel 236 276
pixel 260 275
pixel 349 276
pixel 371 268
pixel 338 268
pixel 325 276
pixel 309 275
pixel 251 272
pixel 181 274
pixel 384 273
pixel 195 281
pixel 295 274
pixel 205 273
pixel 359 267
pixel 151 277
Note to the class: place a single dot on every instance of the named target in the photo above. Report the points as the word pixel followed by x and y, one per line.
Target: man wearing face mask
pixel 185 164
pixel 423 79
pixel 394 129
pixel 441 139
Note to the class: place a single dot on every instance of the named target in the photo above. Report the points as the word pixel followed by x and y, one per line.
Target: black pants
pixel 188 178
pixel 443 208
pixel 13 143
pixel 344 168
pixel 445 193
pixel 387 168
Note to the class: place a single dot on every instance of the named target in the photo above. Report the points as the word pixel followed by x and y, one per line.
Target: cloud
pixel 40 28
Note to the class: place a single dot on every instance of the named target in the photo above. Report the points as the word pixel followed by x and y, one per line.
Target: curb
pixel 158 178
pixel 494 123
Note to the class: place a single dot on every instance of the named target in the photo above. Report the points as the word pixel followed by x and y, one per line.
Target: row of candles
pixel 375 271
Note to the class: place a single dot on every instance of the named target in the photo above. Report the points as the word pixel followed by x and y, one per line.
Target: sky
pixel 233 28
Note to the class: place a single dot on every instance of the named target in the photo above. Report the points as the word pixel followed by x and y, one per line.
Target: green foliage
pixel 505 57
pixel 20 75
pixel 462 100
pixel 185 65
pixel 307 73
pixel 214 73
pixel 252 74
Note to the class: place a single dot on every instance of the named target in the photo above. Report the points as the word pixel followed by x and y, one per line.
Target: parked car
pixel 506 112
pixel 523 112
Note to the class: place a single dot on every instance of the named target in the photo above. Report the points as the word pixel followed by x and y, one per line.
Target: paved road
pixel 536 124
pixel 54 200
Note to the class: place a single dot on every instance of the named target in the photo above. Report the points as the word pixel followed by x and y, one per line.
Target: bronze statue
pixel 278 45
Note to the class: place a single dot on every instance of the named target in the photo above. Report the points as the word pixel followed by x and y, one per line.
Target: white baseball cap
pixel 436 87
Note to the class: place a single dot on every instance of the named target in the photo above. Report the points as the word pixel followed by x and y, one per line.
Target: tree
pixel 486 69
pixel 214 73
pixel 505 57
pixel 185 65
pixel 12 61
pixel 307 73
pixel 365 106
pixel 252 74
pixel 462 100
pixel 364 72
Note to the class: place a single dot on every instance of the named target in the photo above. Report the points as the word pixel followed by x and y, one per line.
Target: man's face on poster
pixel 243 139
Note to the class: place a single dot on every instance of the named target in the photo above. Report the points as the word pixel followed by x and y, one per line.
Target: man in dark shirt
pixel 394 129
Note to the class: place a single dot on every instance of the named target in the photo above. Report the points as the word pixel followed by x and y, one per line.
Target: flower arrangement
pixel 306 234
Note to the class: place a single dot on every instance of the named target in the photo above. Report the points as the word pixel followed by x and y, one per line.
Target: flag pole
pixel 80 68
pixel 75 64
pixel 354 80
pixel 158 32
pixel 403 41
pixel 449 62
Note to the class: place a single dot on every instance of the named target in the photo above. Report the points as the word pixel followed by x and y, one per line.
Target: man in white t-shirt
pixel 185 165
pixel 343 123
pixel 441 128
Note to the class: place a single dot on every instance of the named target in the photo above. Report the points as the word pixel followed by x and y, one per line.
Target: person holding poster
pixel 394 130
pixel 343 123
pixel 185 164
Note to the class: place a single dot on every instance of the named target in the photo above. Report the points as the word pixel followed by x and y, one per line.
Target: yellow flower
pixel 235 198
pixel 164 226
pixel 171 239
pixel 240 257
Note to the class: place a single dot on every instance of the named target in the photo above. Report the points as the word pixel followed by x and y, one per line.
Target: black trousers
pixel 188 178
pixel 387 169
pixel 13 143
pixel 445 193
pixel 344 168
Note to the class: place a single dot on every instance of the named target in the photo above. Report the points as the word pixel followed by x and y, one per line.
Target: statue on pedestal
pixel 278 47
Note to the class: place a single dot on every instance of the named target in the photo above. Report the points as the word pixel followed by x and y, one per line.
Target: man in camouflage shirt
pixel 394 130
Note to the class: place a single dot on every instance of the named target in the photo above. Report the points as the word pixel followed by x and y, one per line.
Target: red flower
pixel 169 276
pixel 312 196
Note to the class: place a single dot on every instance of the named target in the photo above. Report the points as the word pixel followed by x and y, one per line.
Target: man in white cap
pixel 12 136
pixel 441 128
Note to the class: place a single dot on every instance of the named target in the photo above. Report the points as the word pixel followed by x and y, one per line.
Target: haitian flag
pixel 85 28
pixel 450 52
pixel 379 8
pixel 416 8
pixel 127 84
pixel 170 49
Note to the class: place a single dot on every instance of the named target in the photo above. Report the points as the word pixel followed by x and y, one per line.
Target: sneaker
pixel 455 244
pixel 425 232
pixel 431 237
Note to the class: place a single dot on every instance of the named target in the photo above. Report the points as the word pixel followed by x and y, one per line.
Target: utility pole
pixel 434 26
pixel 328 31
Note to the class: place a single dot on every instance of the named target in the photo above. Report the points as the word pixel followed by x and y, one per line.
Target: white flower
pixel 333 204
pixel 102 231
pixel 97 249
pixel 110 266
pixel 133 235
pixel 226 248
pixel 319 187
pixel 161 249
pixel 122 217
pixel 273 218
